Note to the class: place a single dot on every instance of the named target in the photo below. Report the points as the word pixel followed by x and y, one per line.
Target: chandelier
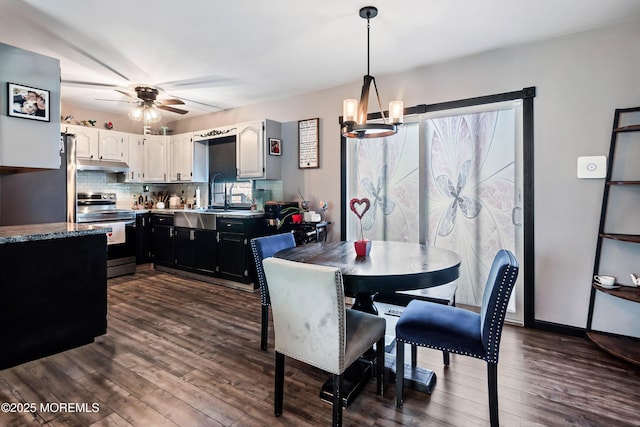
pixel 355 115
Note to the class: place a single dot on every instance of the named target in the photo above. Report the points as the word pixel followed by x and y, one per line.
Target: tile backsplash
pixel 96 181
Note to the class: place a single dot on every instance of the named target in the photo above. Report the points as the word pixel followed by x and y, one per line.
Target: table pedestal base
pixel 415 377
pixel 355 378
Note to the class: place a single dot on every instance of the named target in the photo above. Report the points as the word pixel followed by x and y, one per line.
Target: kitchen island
pixel 53 293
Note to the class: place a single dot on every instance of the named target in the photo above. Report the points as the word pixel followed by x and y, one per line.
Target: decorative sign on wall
pixel 309 144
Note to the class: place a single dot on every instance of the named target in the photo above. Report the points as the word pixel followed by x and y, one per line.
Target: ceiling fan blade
pixel 173 110
pixel 201 103
pixel 169 101
pixel 116 100
pixel 130 95
pixel 87 84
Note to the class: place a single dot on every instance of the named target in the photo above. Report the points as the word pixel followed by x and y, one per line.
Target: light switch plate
pixel 592 167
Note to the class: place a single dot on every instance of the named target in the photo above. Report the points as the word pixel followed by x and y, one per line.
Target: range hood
pixel 102 165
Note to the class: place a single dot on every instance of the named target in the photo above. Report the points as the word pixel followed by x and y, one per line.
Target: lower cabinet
pixel 162 238
pixel 206 251
pixel 184 248
pixel 196 249
pixel 232 256
pixel 223 253
pixel 143 238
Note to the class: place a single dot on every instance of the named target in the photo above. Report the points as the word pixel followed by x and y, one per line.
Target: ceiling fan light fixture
pixel 354 114
pixel 136 113
pixel 145 112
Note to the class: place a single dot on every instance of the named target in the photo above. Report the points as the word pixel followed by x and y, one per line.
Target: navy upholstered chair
pixel 459 331
pixel 265 247
pixel 312 325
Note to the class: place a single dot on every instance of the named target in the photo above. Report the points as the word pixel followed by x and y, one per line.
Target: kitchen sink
pixel 202 220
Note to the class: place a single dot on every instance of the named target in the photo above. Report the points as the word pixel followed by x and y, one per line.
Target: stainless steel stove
pixel 99 209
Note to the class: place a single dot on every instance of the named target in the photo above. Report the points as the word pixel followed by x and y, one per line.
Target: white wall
pixel 580 81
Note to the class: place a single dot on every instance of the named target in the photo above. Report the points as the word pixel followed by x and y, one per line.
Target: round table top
pixel 389 267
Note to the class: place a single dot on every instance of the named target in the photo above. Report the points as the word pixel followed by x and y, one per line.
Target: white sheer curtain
pixel 385 171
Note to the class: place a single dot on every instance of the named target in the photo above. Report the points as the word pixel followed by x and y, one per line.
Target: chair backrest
pixel 307 302
pixel 265 247
pixel 500 283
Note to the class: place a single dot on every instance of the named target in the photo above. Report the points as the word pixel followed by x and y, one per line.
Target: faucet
pixel 213 192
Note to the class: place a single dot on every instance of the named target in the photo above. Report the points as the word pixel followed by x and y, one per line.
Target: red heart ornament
pixel 360 206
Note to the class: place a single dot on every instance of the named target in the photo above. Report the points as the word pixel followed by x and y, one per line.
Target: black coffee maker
pixel 273 215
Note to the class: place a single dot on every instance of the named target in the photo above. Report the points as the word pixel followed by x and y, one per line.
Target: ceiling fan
pixel 146 96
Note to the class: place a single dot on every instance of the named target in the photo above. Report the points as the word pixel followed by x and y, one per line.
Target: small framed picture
pixel 275 147
pixel 28 102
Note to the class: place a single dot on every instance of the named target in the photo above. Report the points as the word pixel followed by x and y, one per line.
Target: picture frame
pixel 308 144
pixel 275 147
pixel 28 102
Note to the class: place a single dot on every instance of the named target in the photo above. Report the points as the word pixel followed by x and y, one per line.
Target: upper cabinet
pixel 135 159
pixel 156 157
pixel 86 141
pixel 94 144
pixel 252 150
pixel 26 143
pixel 188 159
pixel 113 145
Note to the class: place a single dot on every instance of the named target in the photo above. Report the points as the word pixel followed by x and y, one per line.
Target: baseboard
pixel 557 328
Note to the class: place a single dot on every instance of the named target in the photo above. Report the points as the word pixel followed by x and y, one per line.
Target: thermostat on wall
pixel 592 167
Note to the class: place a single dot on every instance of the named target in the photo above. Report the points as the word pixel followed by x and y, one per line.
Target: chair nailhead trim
pixel 497 321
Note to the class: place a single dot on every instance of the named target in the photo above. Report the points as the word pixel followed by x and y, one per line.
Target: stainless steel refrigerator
pixel 43 196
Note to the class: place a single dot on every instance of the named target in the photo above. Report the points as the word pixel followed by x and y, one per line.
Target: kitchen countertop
pixel 231 213
pixel 57 230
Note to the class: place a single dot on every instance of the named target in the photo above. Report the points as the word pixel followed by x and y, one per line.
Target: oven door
pixel 121 247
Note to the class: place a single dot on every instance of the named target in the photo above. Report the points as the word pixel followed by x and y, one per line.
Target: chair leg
pixel 414 356
pixel 492 379
pixel 399 372
pixel 380 367
pixel 264 332
pixel 337 400
pixel 279 389
pixel 445 358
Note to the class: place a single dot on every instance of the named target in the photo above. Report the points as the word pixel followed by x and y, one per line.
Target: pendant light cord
pixel 375 86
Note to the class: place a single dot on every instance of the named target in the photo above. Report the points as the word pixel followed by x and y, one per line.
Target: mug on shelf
pixel 604 280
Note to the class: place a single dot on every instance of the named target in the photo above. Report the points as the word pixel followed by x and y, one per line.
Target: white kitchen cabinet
pixel 188 159
pixel 94 144
pixel 135 159
pixel 87 141
pixel 252 150
pixel 113 145
pixel 156 156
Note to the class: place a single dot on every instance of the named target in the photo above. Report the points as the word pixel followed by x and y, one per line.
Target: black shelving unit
pixel 624 347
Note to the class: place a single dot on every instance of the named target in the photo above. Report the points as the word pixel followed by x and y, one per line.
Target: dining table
pixel 387 268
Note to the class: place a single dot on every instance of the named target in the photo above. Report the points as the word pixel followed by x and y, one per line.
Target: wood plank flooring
pixel 187 353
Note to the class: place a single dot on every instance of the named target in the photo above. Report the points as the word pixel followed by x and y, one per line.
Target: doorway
pixel 457 175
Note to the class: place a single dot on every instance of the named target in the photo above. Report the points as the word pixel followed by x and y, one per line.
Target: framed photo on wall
pixel 28 102
pixel 275 147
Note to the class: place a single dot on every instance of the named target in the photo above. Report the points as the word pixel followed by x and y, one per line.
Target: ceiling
pixel 224 54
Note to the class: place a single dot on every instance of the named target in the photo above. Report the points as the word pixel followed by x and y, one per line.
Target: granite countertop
pixel 57 230
pixel 218 212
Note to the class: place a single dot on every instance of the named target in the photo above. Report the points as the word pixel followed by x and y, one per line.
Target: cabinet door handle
pixel 171 232
pixel 192 235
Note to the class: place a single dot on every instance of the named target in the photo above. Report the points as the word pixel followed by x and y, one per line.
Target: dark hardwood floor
pixel 185 352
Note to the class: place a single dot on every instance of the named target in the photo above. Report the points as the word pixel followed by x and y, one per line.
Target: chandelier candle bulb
pixel 396 112
pixel 349 110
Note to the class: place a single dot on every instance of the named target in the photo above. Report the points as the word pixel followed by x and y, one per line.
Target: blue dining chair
pixel 459 331
pixel 265 247
pixel 313 325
